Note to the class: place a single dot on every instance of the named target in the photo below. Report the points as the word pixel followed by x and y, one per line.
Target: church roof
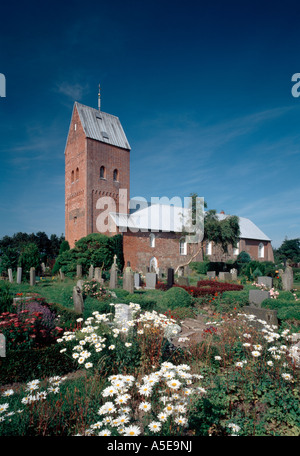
pixel 159 217
pixel 101 126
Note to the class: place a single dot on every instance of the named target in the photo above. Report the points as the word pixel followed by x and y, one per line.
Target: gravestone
pixel 170 279
pixel 268 315
pixel 79 271
pixel 264 280
pixel 137 280
pixel 128 281
pixel 113 281
pixel 183 281
pixel 180 271
pixel 98 274
pixel 287 279
pixel 256 297
pixel 123 314
pixel 91 272
pixel 32 277
pixel 19 275
pixel 80 284
pixel 10 276
pixel 43 268
pixel 224 276
pixel 211 274
pixel 151 280
pixel 233 273
pixel 62 275
pixel 77 300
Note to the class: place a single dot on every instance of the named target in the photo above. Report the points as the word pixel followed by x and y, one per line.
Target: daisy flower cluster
pixel 33 393
pixel 171 386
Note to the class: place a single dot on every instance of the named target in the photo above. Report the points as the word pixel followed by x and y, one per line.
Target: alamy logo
pixel 2 85
pixel 296 78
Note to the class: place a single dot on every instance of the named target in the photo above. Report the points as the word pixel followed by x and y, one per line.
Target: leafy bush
pixel 6 297
pixel 175 297
pixel 201 267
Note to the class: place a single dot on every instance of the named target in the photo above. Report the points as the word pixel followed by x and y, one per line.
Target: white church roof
pixel 102 126
pixel 159 217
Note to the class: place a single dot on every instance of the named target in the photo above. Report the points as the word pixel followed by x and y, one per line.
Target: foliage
pixel 201 267
pixel 6 296
pixel 289 250
pixel 63 247
pixel 29 258
pixel 222 232
pixel 243 257
pixel 175 297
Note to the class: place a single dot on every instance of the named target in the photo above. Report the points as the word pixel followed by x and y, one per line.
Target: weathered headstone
pixel 43 267
pixel 151 280
pixel 137 280
pixel 287 279
pixel 183 281
pixel 170 279
pixel 265 280
pixel 211 274
pixel 113 281
pixel 80 284
pixel 10 276
pixel 78 300
pixel 32 277
pixel 128 281
pixel 224 275
pixel 233 273
pixel 256 297
pixel 62 275
pixel 79 271
pixel 268 315
pixel 91 272
pixel 123 314
pixel 98 275
pixel 19 275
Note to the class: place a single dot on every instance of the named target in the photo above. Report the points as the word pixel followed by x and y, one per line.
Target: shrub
pixel 6 297
pixel 145 302
pixel 175 297
pixel 201 267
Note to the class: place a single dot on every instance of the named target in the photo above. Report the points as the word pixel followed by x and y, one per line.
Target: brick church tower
pixel 97 165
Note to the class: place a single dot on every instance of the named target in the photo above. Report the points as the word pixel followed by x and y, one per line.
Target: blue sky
pixel 202 89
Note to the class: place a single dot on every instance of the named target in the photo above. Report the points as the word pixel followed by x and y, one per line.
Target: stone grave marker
pixel 10 276
pixel 183 281
pixel 287 279
pixel 113 281
pixel 91 272
pixel 170 278
pixel 233 273
pixel 19 275
pixel 78 300
pixel 79 271
pixel 32 277
pixel 137 280
pixel 151 280
pixel 43 268
pixel 128 281
pixel 256 297
pixel 98 274
pixel 80 284
pixel 264 280
pixel 62 275
pixel 123 314
pixel 224 276
pixel 211 274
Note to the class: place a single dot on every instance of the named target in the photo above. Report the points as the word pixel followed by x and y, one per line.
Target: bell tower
pixel 97 170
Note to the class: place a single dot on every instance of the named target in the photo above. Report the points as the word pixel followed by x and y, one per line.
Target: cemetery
pixel 220 347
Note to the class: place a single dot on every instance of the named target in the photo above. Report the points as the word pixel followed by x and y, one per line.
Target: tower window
pixel 102 172
pixel 152 240
pixel 77 173
pixel 208 248
pixel 116 175
pixel 182 247
pixel 261 250
pixel 72 177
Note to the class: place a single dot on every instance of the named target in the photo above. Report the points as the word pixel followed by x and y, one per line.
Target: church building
pixel 97 182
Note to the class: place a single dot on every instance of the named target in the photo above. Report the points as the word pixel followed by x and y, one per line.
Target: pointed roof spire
pixel 99 98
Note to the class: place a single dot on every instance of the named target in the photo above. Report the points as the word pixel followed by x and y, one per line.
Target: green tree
pixel 289 250
pixel 63 247
pixel 29 258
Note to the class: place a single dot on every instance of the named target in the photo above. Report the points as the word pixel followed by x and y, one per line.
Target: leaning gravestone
pixel 80 284
pixel 287 278
pixel 123 314
pixel 32 277
pixel 151 280
pixel 10 276
pixel 264 280
pixel 77 300
pixel 19 275
pixel 98 274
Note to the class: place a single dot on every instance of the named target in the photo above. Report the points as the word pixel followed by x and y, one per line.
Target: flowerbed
pixel 205 288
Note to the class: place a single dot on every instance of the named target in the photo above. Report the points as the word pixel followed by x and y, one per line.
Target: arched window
pixel 208 248
pixel 116 175
pixel 72 177
pixel 102 172
pixel 77 174
pixel 182 247
pixel 236 250
pixel 152 240
pixel 261 250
